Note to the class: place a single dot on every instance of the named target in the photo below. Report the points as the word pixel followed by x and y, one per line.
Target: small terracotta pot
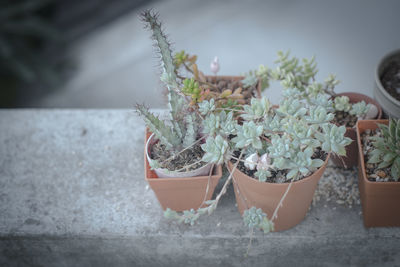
pixel 250 192
pixel 237 78
pixel 351 158
pixel 164 173
pixel 380 200
pixel 181 194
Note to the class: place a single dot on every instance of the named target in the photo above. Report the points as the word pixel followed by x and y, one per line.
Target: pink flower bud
pixel 214 66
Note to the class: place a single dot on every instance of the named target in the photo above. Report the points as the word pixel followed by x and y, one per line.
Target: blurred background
pixel 96 54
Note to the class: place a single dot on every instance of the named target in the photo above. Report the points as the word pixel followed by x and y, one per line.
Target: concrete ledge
pixel 72 193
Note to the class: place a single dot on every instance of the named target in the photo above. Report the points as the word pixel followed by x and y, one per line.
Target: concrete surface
pixel 116 65
pixel 72 193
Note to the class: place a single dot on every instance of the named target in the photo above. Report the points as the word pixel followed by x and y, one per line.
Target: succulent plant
pixel 360 109
pixel 182 130
pixel 254 217
pixel 386 152
pixel 289 137
pixel 342 103
pixel 298 79
pixel 262 74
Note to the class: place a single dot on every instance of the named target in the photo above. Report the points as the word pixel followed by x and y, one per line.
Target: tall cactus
pixel 183 130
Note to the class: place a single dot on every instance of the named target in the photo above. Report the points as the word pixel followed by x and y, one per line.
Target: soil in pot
pixel 345 118
pixel 279 176
pixel 391 79
pixel 234 83
pixel 374 174
pixel 186 158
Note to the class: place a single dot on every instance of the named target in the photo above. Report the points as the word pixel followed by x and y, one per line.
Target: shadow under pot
pixel 250 192
pixel 379 200
pixel 351 158
pixel 180 191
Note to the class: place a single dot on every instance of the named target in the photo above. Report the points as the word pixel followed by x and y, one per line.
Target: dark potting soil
pixel 186 158
pixel 231 84
pixel 279 176
pixel 391 79
pixel 344 118
pixel 373 173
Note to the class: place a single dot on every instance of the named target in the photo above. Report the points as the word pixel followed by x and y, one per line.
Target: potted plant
pixel 228 91
pixel 289 144
pixel 275 155
pixel 299 81
pixel 379 171
pixel 173 149
pixel 387 83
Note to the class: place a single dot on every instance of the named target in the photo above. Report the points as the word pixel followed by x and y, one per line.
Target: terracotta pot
pixel 164 173
pixel 250 192
pixel 181 194
pixel 237 78
pixel 351 158
pixel 380 200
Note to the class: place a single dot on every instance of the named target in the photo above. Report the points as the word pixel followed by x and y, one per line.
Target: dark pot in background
pixel 390 105
pixel 351 158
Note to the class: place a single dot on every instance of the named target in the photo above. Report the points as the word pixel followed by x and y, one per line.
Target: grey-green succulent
pixel 256 218
pixel 386 152
pixel 342 103
pixel 360 109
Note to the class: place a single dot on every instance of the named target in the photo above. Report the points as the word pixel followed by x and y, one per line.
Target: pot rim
pixel 383 60
pixel 230 165
pixel 361 155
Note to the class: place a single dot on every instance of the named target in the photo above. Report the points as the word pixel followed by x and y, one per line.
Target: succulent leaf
pixel 256 218
pixel 217 150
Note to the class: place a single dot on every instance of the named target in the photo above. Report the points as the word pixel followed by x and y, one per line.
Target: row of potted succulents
pixel 275 154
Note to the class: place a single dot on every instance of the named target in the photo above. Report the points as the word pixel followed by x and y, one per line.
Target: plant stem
pixel 275 214
pixel 188 166
pixel 208 186
pixel 186 148
pixel 223 190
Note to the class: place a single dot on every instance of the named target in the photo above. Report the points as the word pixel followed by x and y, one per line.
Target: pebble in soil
pixel 374 174
pixel 186 158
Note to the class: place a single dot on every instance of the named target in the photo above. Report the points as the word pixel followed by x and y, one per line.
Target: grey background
pixel 116 65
